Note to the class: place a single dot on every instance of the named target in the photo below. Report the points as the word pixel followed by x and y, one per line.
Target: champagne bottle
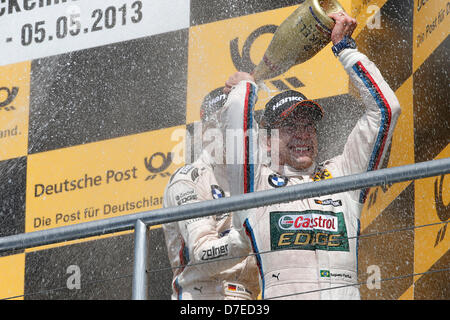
pixel 301 36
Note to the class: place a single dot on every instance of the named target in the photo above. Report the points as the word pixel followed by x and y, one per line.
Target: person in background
pixel 197 247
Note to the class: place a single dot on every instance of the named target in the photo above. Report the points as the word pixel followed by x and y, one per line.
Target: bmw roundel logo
pixel 277 181
pixel 217 192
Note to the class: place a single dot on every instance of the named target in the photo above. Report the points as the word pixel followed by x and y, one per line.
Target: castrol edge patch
pixel 308 230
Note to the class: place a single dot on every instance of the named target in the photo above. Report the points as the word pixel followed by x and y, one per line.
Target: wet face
pixel 297 142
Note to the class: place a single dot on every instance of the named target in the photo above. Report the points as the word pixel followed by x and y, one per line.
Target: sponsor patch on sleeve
pixel 186 196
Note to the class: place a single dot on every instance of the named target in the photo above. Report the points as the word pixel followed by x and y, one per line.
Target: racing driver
pixel 307 249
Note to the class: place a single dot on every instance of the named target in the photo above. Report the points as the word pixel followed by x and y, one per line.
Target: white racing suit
pixel 309 245
pixel 196 246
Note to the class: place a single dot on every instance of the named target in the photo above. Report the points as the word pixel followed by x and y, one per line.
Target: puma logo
pixel 276 276
pixel 198 289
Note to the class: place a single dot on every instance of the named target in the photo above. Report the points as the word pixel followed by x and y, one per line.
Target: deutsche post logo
pixel 10 96
pixel 159 170
pixel 243 62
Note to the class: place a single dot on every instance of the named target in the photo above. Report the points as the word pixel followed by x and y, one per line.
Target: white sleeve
pixel 241 132
pixel 370 138
pixel 201 237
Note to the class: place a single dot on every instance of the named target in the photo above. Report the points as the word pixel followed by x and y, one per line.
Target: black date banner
pixel 36 29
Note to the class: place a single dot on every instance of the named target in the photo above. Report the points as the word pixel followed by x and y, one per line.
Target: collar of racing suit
pixel 288 171
pixel 285 170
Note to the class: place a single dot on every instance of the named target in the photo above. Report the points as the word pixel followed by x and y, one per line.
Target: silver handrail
pixel 140 221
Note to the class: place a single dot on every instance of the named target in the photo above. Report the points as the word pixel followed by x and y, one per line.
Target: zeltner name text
pixel 85 182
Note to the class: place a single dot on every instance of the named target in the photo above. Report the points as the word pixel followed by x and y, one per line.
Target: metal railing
pixel 141 221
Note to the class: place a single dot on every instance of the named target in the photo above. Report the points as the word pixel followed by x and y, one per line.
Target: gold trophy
pixel 303 34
